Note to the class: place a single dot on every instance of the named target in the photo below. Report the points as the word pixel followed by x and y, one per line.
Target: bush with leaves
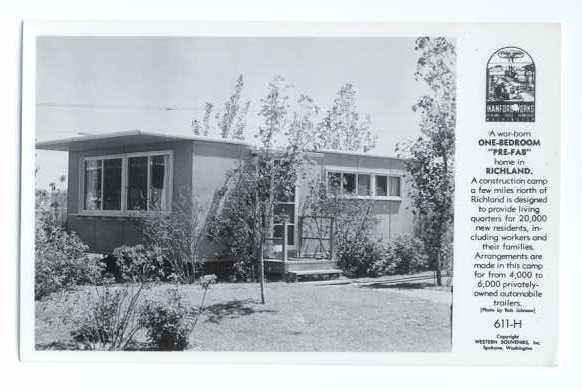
pixel 405 255
pixel 360 256
pixel 61 259
pixel 235 226
pixel 140 263
pixel 107 320
pixel 365 257
pixel 178 235
pixel 430 157
pixel 167 323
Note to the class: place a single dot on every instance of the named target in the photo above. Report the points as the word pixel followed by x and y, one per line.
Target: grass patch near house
pixel 310 316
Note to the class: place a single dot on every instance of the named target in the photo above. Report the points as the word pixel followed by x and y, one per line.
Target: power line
pixel 154 107
pixel 120 106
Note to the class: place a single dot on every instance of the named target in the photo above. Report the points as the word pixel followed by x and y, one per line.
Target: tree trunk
pixel 262 274
pixel 438 272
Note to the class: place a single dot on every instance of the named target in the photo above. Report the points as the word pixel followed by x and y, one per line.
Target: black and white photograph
pixel 249 194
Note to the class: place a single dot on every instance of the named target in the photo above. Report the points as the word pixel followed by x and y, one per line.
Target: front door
pixel 285 208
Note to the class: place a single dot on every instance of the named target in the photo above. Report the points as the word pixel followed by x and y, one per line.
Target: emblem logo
pixel 511 84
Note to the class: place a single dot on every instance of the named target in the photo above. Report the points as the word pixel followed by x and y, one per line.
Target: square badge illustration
pixel 511 83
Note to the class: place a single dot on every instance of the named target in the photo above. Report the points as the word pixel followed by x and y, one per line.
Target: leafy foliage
pixel 360 256
pixel 61 259
pixel 430 158
pixel 363 256
pixel 274 110
pixel 177 236
pixel 140 263
pixel 303 124
pixel 404 255
pixel 230 124
pixel 342 128
pixel 235 226
pixel 107 321
pixel 353 219
pixel 167 323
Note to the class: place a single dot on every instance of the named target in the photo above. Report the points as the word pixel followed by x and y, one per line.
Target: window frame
pixel 124 183
pixel 369 172
pixel 295 223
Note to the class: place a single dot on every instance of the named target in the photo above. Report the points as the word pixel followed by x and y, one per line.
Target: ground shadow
pixel 57 346
pixel 405 286
pixel 232 309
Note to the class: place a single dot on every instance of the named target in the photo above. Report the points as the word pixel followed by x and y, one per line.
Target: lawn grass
pixel 322 317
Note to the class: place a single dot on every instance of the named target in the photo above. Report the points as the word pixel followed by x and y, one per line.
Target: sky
pixel 102 84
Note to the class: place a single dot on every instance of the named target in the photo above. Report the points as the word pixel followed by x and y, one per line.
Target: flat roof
pixel 356 154
pixel 141 137
pixel 121 138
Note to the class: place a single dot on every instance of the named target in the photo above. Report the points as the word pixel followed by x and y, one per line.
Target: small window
pixel 364 185
pixel 334 181
pixel 394 186
pixel 284 211
pixel 381 185
pixel 349 183
pixel 278 233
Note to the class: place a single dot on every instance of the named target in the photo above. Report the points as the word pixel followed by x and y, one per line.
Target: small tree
pixel 234 226
pixel 353 219
pixel 303 125
pixel 247 217
pixel 430 158
pixel 230 124
pixel 276 170
pixel 343 128
pixel 179 236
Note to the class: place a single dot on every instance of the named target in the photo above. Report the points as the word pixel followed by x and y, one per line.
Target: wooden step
pixel 293 276
pixel 310 265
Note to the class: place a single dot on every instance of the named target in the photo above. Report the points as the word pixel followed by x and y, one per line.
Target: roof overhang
pixel 120 139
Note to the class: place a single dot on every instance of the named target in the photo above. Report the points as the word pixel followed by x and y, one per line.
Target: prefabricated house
pixel 116 178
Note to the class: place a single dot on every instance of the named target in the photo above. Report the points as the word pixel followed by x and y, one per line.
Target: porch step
pixel 293 276
pixel 310 265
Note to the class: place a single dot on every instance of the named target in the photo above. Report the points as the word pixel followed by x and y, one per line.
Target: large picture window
pixel 127 183
pixel 368 184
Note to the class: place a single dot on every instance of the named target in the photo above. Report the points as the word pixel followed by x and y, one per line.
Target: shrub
pixel 405 255
pixel 166 323
pixel 140 263
pixel 108 320
pixel 360 256
pixel 178 235
pixel 235 225
pixel 61 259
pixel 365 257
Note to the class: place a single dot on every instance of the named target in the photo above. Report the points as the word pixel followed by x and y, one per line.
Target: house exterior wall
pixel 105 233
pixel 211 164
pixel 393 216
pixel 200 169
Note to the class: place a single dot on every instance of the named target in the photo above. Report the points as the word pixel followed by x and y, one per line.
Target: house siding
pixel 200 168
pixel 105 233
pixel 394 217
pixel 211 164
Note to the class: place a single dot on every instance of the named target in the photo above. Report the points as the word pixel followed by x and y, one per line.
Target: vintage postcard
pixel 315 193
